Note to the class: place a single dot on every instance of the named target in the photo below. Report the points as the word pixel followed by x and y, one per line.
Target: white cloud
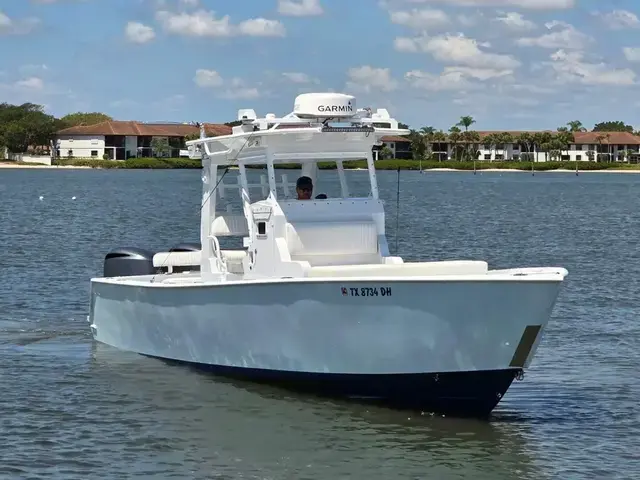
pixel 405 44
pixel 620 19
pixel 529 4
pixel 297 77
pixel 8 26
pixel 632 53
pixel 455 78
pixel 516 22
pixel 457 50
pixel 420 19
pixel 138 33
pixel 202 23
pixel 236 88
pixel 480 73
pixel 531 88
pixel 31 83
pixel 571 67
pixel 367 78
pixel 197 24
pixel 208 78
pixel 562 35
pixel 261 27
pixel 189 3
pixel 300 8
pixel 452 80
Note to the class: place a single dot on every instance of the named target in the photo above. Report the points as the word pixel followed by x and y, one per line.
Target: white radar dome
pixel 324 105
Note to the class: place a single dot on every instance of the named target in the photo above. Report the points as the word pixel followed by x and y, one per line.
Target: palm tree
pixel 439 137
pixel 466 122
pixel 600 138
pixel 542 141
pixel 417 144
pixel 504 138
pixel 575 126
pixel 470 138
pixel 488 142
pixel 454 138
pixel 526 139
pixel 427 136
pixel 565 139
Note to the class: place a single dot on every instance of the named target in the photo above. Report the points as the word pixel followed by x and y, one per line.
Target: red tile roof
pixel 118 127
pixel 395 138
pixel 610 138
pixel 613 138
pixel 513 133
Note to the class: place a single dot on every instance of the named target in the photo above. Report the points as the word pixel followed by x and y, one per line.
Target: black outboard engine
pixel 128 261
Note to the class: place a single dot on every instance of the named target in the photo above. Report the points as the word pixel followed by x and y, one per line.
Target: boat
pixel 314 301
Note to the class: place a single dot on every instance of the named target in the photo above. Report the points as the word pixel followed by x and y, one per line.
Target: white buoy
pixel 41 197
pixel 73 198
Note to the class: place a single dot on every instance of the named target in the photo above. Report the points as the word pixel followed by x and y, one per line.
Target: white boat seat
pixel 332 238
pixel 328 243
pixel 169 260
pixel 176 259
pixel 229 225
pixel 411 269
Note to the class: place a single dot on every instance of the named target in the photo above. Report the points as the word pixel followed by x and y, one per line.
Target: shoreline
pixel 515 170
pixel 40 166
pixel 22 166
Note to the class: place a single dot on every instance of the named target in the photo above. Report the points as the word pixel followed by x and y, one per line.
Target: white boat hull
pixel 439 345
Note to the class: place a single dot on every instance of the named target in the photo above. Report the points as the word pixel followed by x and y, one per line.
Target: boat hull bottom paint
pixel 461 394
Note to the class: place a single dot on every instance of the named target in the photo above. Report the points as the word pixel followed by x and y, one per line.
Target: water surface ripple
pixel 73 409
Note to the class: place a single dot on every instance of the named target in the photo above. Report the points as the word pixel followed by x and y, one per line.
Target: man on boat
pixel 304 188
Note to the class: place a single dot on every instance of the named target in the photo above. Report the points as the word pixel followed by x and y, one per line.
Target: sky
pixel 510 64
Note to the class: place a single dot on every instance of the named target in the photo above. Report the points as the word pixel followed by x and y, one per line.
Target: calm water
pixel 76 410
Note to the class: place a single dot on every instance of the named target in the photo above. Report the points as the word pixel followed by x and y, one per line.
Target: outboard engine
pixel 127 261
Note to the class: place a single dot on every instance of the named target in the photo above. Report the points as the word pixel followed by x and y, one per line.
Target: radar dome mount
pixel 324 105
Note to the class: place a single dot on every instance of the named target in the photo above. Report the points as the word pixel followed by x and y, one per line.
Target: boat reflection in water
pixel 209 425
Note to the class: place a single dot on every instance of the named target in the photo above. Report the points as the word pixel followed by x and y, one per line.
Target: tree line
pixel 463 141
pixel 28 126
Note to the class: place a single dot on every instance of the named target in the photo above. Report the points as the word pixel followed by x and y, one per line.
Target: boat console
pixel 284 236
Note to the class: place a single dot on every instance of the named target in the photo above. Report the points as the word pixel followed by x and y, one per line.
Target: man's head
pixel 304 188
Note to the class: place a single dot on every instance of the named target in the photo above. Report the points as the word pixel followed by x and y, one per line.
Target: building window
pixel 578 157
pixel 487 156
pixel 94 153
